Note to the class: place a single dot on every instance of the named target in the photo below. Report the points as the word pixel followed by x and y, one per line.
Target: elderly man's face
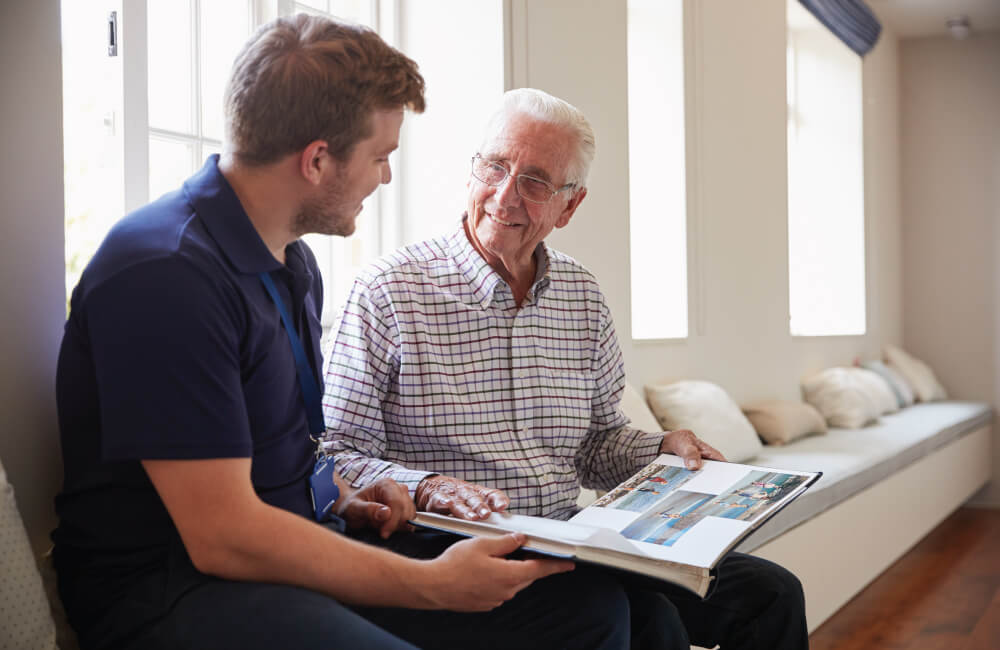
pixel 504 227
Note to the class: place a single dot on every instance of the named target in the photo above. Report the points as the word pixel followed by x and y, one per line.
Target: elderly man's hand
pixel 688 446
pixel 451 496
pixel 384 504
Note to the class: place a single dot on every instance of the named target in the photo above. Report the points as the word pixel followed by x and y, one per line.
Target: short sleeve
pixel 165 344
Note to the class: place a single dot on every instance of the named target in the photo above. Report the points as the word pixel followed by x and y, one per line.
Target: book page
pixel 692 517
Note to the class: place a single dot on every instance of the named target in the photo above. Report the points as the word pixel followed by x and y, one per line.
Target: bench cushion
pixel 854 459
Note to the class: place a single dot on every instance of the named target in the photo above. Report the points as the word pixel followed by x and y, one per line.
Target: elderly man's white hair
pixel 542 106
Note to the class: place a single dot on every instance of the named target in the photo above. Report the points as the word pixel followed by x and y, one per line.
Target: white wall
pixel 32 294
pixel 951 206
pixel 737 189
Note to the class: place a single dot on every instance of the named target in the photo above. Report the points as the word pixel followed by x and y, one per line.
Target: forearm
pixel 267 544
pixel 609 457
pixel 360 469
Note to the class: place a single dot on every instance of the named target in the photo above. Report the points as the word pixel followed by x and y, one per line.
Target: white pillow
pixel 917 373
pixel 638 411
pixel 709 412
pixel 879 390
pixel 904 393
pixel 841 398
pixel 24 609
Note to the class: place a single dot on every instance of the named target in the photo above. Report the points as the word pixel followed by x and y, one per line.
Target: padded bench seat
pixel 854 459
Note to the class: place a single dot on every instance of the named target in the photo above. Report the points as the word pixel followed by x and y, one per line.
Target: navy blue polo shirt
pixel 174 350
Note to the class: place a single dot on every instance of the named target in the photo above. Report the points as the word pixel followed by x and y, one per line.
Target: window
pixel 137 124
pixel 657 196
pixel 826 216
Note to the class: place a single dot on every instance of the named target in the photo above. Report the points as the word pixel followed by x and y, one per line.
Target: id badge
pixel 323 490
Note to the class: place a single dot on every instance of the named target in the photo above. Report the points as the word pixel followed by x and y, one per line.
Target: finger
pixel 361 513
pixel 689 451
pixel 440 504
pixel 538 568
pixel 499 546
pixel 498 501
pixel 708 451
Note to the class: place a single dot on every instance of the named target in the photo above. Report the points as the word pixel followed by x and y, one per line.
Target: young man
pixel 185 512
pixel 481 370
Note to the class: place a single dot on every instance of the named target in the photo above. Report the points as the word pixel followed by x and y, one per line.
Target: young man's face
pixel 335 210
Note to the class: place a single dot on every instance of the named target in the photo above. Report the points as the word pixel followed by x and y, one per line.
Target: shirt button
pixel 520 374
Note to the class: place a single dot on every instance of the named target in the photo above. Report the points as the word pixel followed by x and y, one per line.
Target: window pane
pixel 826 218
pixel 170 163
pixel 171 102
pixel 358 11
pixel 305 5
pixel 657 196
pixel 92 141
pixel 225 27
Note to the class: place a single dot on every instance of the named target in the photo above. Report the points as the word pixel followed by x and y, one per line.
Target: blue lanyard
pixel 310 391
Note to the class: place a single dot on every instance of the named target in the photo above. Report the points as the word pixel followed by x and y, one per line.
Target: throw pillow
pixel 878 389
pixel 779 422
pixel 23 605
pixel 841 398
pixel 705 409
pixel 902 390
pixel 638 411
pixel 917 373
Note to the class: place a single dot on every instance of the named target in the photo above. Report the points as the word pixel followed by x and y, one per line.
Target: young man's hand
pixel 384 505
pixel 451 496
pixel 474 576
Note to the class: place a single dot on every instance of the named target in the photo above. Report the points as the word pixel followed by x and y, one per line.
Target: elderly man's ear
pixel 571 207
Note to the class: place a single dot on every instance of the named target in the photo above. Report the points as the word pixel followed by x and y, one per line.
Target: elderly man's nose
pixel 507 192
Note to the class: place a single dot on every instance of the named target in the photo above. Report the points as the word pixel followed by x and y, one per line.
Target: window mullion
pixel 196 80
pixel 135 103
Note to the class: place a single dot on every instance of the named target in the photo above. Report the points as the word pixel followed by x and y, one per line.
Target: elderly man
pixel 188 390
pixel 481 370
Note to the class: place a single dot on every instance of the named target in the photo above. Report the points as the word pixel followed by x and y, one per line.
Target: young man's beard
pixel 325 214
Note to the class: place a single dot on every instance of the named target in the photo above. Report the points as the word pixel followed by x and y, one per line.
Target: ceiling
pixel 916 18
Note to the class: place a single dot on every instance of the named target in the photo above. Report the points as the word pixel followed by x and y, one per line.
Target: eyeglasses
pixel 528 188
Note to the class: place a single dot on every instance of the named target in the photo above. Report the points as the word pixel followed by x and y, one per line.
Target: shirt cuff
pixel 647 447
pixel 411 479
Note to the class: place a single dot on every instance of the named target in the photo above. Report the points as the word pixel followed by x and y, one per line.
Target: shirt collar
pixel 482 278
pixel 218 207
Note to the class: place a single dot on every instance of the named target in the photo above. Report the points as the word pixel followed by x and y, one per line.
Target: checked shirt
pixel 432 368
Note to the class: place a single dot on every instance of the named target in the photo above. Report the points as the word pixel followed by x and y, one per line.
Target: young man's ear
pixel 313 161
pixel 571 206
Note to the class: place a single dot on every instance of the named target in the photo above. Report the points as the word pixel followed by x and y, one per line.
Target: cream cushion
pixel 917 373
pixel 635 407
pixel 841 398
pixel 903 391
pixel 878 389
pixel 25 618
pixel 705 409
pixel 779 422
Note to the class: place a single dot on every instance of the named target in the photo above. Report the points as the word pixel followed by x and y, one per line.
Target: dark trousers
pixel 756 605
pixel 174 607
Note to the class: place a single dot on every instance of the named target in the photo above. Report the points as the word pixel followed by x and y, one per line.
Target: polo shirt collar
pixel 482 278
pixel 218 207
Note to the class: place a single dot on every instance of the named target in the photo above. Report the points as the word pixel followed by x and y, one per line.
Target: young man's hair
pixel 306 78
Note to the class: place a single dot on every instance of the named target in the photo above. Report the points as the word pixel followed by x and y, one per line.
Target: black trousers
pixel 755 605
pixel 174 607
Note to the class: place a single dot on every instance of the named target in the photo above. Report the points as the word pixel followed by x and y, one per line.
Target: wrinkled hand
pixel 452 496
pixel 384 504
pixel 474 576
pixel 688 446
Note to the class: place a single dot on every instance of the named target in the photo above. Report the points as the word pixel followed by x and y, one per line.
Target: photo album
pixel 666 522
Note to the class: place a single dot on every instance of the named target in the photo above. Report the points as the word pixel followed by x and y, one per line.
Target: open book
pixel 666 522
